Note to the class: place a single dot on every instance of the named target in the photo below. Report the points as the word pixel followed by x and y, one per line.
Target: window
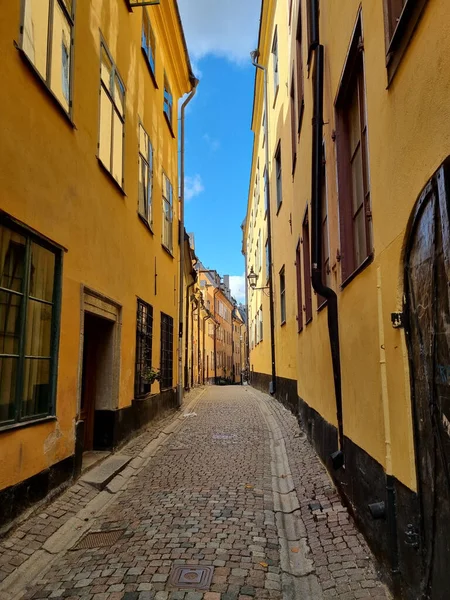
pixel 260 251
pixel 278 176
pixel 46 39
pixel 307 269
pixel 167 198
pixel 264 129
pixel 166 351
pixel 168 101
pixel 148 42
pixel 266 191
pixel 298 272
pixel 326 272
pixel 267 261
pixel 261 328
pixel 299 70
pixel 145 176
pixel 276 75
pixel 112 116
pixel 144 331
pixel 401 18
pixel 293 125
pixel 282 296
pixel 353 166
pixel 30 278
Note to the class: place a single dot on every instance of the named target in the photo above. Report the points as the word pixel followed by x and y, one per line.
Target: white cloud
pixel 193 186
pixel 237 286
pixel 211 142
pixel 224 28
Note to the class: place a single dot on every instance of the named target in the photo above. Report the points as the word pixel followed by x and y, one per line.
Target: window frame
pixel 294 130
pixel 150 60
pixel 165 201
pixel 150 177
pixel 168 101
pixel 307 269
pixel 142 336
pixel 397 38
pixel 275 64
pixel 278 176
pixel 46 81
pixel 298 273
pixel 353 80
pixel 110 95
pixel 282 280
pixel 321 300
pixel 166 321
pixel 32 237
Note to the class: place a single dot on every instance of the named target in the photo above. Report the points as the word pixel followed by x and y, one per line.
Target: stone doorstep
pixel 100 476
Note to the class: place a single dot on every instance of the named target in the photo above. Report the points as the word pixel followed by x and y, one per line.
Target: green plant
pixel 151 374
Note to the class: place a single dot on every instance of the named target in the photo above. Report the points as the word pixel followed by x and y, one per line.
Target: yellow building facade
pixel 381 180
pixel 89 231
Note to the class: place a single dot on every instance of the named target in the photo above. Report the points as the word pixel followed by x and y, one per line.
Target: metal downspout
pixel 181 242
pixel 203 359
pixel 269 228
pixel 186 344
pixel 316 237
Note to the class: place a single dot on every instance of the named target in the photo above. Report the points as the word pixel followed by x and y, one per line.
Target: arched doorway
pixel 427 292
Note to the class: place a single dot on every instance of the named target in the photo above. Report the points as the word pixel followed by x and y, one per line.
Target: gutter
pixel 181 242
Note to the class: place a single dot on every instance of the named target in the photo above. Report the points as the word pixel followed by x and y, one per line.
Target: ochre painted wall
pixel 51 181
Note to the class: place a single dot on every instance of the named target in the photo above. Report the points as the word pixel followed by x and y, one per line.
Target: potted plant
pixel 151 374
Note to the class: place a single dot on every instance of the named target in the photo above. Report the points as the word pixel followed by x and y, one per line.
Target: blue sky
pixel 218 136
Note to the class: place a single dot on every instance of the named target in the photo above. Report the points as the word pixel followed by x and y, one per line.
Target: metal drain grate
pixel 191 576
pixel 98 539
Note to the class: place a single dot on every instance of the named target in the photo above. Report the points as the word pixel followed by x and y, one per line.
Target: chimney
pixel 226 282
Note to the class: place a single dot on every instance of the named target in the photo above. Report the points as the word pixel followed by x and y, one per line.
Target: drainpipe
pixel 247 342
pixel 316 241
pixel 254 56
pixel 186 345
pixel 215 334
pixel 181 242
pixel 192 341
pixel 199 350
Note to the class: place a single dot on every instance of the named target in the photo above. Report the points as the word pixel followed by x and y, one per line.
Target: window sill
pixel 308 321
pixel 30 423
pixel 166 249
pixel 294 164
pixel 152 73
pixel 366 262
pixel 107 172
pixel 283 323
pixel 322 305
pixel 146 224
pixel 169 125
pixel 300 119
pixel 67 115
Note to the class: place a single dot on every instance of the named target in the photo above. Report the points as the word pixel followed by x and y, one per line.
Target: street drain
pixel 98 539
pixel 191 576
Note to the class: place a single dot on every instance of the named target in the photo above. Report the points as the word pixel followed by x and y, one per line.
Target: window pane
pixel 12 259
pixel 69 6
pixel 106 68
pixel 8 378
pixel 9 323
pixel 105 129
pixel 359 233
pixel 60 67
pixel 117 148
pixel 354 123
pixel 143 142
pixel 38 329
pixel 357 181
pixel 36 391
pixel 42 273
pixel 119 94
pixel 143 187
pixel 35 33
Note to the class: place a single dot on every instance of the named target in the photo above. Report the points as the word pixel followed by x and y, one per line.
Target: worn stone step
pixel 100 476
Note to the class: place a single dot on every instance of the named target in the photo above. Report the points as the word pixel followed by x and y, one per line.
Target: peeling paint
pixel 52 440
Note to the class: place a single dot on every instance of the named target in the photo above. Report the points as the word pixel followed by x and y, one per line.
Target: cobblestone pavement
pixel 205 500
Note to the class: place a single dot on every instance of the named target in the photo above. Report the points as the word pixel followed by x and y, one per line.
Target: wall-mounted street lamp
pixel 253 278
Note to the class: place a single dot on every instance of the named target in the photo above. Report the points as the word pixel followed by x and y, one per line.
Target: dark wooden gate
pixel 427 290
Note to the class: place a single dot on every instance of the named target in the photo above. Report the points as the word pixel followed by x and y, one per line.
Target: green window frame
pixel 30 300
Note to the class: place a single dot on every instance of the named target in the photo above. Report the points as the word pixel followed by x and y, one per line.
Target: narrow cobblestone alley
pixel 217 493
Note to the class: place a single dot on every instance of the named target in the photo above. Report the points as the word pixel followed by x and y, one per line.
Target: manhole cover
pixel 191 576
pixel 98 539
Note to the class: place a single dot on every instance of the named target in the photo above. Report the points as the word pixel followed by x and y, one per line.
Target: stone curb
pixel 298 576
pixel 14 586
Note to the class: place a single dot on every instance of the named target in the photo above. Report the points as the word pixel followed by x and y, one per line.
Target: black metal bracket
pixel 397 320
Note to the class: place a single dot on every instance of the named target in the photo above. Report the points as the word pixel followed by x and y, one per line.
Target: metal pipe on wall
pixel 181 242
